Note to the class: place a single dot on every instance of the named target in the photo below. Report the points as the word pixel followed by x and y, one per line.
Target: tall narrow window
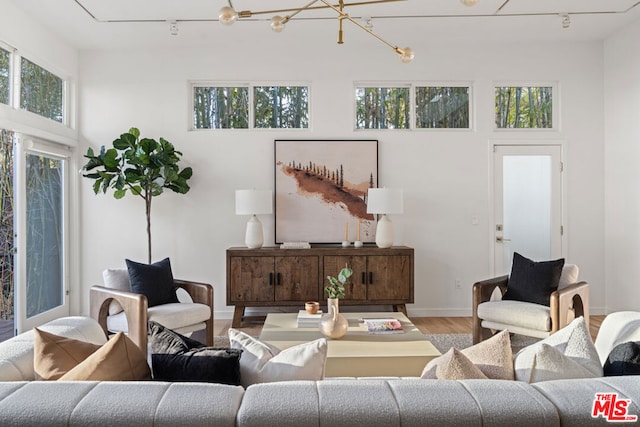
pixel 41 92
pixel 220 107
pixel 524 107
pixel 44 233
pixel 382 108
pixel 5 78
pixel 281 107
pixel 7 248
pixel 442 107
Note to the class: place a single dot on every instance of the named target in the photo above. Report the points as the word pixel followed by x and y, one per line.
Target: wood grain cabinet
pixel 271 277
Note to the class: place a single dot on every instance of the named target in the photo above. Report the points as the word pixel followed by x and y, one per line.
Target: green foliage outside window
pixel 4 76
pixel 41 92
pixel 442 107
pixel 221 107
pixel 7 248
pixel 382 108
pixel 281 107
pixel 524 107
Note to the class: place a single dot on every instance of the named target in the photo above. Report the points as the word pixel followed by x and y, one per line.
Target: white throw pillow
pixel 261 362
pixel 569 353
pixel 493 357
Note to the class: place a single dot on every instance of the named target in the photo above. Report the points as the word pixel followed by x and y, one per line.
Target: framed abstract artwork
pixel 321 190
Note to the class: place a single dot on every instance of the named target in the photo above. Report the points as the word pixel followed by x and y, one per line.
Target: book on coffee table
pixel 383 326
pixel 306 320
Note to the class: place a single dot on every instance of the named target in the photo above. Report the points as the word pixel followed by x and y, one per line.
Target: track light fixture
pixel 228 15
pixel 469 3
pixel 566 20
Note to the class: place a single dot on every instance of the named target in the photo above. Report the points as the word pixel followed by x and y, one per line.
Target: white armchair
pixel 570 300
pixel 116 308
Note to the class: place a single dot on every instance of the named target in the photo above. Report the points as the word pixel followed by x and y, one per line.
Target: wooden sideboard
pixel 272 277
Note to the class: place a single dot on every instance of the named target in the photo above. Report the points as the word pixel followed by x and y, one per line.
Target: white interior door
pixel 527 203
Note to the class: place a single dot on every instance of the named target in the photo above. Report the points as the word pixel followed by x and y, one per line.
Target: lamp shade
pixel 384 201
pixel 254 202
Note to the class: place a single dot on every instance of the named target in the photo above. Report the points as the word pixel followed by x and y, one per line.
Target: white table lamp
pixel 254 202
pixel 384 201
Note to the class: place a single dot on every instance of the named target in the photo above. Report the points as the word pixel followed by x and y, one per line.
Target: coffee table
pixel 358 353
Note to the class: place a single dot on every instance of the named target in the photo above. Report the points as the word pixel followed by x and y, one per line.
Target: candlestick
pixel 346 231
pixel 358 239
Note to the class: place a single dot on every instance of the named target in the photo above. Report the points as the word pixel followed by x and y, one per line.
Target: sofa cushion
pixel 205 364
pixel 54 356
pixel 155 281
pixel 532 281
pixel 116 278
pixel 118 360
pixel 569 276
pixel 624 359
pixel 569 353
pixel 261 362
pixel 492 357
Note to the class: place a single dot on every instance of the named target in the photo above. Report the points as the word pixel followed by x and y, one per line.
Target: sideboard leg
pixel 238 314
pixel 402 308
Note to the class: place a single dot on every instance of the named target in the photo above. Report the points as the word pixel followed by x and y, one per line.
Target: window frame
pixel 444 83
pixel 192 84
pixel 380 85
pixel 555 103
pixel 11 52
pixel 18 88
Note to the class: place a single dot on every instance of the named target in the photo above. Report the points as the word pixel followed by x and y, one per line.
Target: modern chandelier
pixel 228 15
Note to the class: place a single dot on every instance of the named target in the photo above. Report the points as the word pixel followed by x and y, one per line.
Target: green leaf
pixel 119 194
pixel 111 159
pixel 135 132
pixel 136 190
pixel 148 145
pixel 96 185
pixel 186 173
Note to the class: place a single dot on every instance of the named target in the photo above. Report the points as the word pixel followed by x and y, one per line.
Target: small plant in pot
pixel 333 324
pixel 335 289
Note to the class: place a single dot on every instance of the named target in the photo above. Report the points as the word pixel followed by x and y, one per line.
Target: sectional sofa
pixel 330 402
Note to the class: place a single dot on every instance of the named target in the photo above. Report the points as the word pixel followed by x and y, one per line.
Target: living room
pixel 141 77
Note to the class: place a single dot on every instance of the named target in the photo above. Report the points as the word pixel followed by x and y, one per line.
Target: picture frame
pixel 321 189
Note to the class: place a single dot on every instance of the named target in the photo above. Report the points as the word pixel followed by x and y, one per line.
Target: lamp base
pixel 384 232
pixel 254 238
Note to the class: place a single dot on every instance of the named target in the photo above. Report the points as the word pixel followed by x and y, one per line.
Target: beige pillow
pixel 456 366
pixel 54 356
pixel 118 360
pixel 261 362
pixel 569 353
pixel 493 357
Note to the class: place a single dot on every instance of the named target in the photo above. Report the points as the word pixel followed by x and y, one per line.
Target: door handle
pixel 502 239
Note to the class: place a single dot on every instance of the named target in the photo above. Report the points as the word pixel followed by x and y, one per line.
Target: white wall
pixel 622 153
pixel 445 175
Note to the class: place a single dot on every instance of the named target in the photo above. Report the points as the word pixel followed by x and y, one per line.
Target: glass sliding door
pixel 41 291
pixel 45 243
pixel 7 247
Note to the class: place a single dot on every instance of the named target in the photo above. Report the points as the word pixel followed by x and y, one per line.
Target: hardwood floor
pixel 427 325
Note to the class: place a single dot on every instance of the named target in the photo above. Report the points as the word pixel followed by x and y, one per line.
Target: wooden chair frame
pixel 135 306
pixel 574 296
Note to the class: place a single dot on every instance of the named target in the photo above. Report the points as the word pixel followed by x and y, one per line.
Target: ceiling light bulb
pixel 276 23
pixel 469 3
pixel 406 55
pixel 227 15
pixel 566 20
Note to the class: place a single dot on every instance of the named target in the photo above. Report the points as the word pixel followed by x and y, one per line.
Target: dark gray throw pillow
pixel 624 359
pixel 532 281
pixel 165 340
pixel 207 364
pixel 155 281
